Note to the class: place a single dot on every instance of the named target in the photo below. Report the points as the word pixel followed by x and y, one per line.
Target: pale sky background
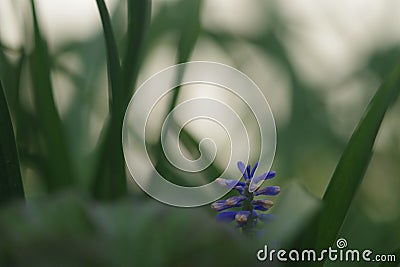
pixel 329 42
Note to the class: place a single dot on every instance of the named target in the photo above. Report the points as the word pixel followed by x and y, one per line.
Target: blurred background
pixel 318 64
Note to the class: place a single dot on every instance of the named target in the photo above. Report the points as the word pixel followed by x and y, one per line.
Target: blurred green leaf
pixel 10 74
pixel 188 26
pixel 295 207
pixel 10 175
pixel 354 162
pixel 110 177
pixel 25 121
pixel 83 104
pixel 109 181
pixel 139 13
pixel 127 233
pixel 58 155
pixel 115 93
pixel 188 35
pixel 314 131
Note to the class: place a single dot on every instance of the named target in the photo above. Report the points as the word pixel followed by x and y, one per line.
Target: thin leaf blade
pixel 354 162
pixel 113 64
pixel 110 177
pixel 139 13
pixel 58 155
pixel 10 175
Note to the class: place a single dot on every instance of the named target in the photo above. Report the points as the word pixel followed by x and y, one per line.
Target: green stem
pixel 248 206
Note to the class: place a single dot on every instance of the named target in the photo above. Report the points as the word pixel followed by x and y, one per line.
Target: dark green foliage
pixel 110 177
pixel 73 231
pixel 354 162
pixel 324 228
pixel 10 175
pixel 70 230
pixel 57 154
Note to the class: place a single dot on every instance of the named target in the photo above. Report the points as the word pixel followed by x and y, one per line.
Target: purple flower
pixel 231 202
pixel 268 191
pixel 241 217
pixel 234 184
pixel 226 216
pixel 248 217
pixel 262 205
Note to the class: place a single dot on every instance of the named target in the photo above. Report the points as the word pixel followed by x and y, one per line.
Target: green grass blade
pixel 188 34
pixel 58 155
pixel 10 175
pixel 10 74
pixel 110 177
pixel 139 13
pixel 354 162
pixel 113 64
pixel 190 28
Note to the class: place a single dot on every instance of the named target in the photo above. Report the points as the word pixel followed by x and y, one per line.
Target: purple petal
pixel 240 189
pixel 241 217
pixel 241 166
pixel 218 205
pixel 254 169
pixel 260 207
pixel 271 174
pixel 248 171
pixel 226 216
pixel 233 201
pixel 262 204
pixel 257 181
pixel 268 191
pixel 221 205
pixel 242 169
pixel 244 212
pixel 264 176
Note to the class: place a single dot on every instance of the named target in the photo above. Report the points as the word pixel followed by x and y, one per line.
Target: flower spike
pixel 254 169
pixel 248 217
pixel 242 169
